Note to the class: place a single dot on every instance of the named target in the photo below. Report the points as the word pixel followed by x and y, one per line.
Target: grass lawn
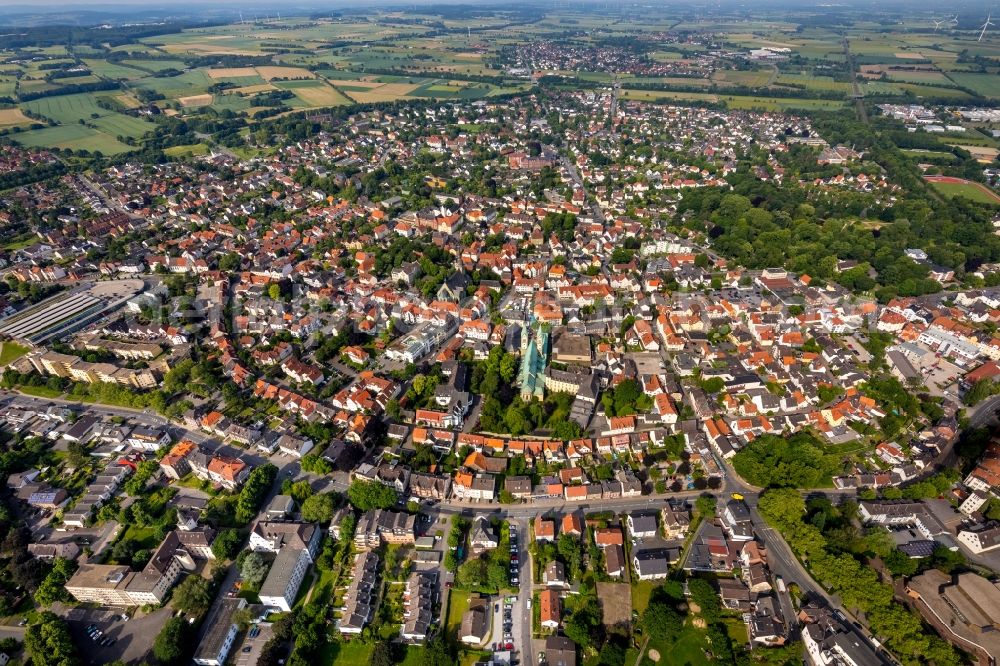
pixel 342 652
pixel 458 603
pixel 187 150
pixel 11 352
pixel 737 630
pixel 413 657
pixel 40 391
pixel 471 657
pixel 641 591
pixel 689 648
pixel 304 590
pixel 21 242
pixel 323 588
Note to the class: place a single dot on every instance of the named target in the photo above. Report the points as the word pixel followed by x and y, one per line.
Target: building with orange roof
pixel 550 610
pixel 545 529
pixel 175 464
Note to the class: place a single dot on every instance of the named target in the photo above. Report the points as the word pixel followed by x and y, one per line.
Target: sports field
pixel 956 187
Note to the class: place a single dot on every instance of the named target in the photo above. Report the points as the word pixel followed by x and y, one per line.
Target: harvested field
pixel 231 72
pixel 127 101
pixel 385 93
pixel 251 90
pixel 277 72
pixel 13 117
pixel 320 96
pixel 195 100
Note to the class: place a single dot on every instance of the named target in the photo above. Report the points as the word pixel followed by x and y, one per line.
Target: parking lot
pixel 940 376
pixel 248 652
pixel 647 363
pixel 131 640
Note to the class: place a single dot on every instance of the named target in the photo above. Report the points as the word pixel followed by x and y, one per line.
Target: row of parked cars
pixel 515 557
pixel 96 636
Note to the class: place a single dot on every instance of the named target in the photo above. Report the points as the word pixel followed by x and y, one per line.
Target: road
pixel 783 562
pixel 855 89
pixel 578 181
pixel 985 412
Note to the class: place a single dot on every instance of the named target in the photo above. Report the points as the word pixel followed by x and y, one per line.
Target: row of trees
pixel 254 491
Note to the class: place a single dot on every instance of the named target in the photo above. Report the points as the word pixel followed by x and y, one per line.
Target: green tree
pixel 319 508
pixel 48 643
pixel 52 587
pixel 583 625
pixel 170 645
pixel 473 574
pixel 315 464
pixel 227 544
pixel 367 495
pixel 381 655
pixel 193 595
pixel 662 620
pixel 255 488
pixel 253 570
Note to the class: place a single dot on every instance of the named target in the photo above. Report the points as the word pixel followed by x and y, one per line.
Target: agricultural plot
pixel 195 100
pixel 34 86
pixel 8 86
pixel 314 93
pixel 448 91
pixel 386 92
pixel 810 82
pixel 191 82
pixel 753 79
pixel 69 109
pixel 156 66
pixel 74 137
pixel 269 73
pixel 987 85
pixel 922 76
pixel 13 118
pixel 112 70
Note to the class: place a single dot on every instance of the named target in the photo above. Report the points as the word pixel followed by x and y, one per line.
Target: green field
pixel 192 82
pixel 187 151
pixel 112 70
pixel 156 65
pixel 987 85
pixel 11 351
pixel 68 109
pixel 74 137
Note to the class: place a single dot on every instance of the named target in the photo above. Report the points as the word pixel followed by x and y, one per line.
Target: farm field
pixel 754 78
pixel 67 109
pixel 111 70
pixel 74 137
pixel 736 101
pixel 314 93
pixel 987 85
pixel 13 118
